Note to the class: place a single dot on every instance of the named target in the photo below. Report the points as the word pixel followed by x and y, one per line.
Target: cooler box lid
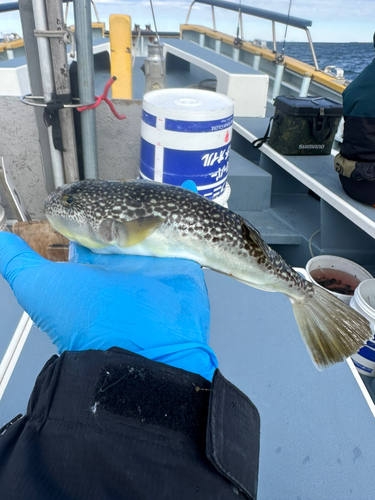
pixel 308 106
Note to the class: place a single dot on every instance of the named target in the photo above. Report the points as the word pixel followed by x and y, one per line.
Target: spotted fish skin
pixel 191 227
pixel 147 218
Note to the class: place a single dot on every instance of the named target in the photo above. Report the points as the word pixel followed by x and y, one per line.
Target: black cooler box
pixel 304 125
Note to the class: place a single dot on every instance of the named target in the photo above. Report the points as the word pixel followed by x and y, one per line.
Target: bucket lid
pixel 187 101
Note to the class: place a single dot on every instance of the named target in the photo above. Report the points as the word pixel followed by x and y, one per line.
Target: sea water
pixel 351 57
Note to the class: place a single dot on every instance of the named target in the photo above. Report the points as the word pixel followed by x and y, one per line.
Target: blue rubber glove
pixel 155 307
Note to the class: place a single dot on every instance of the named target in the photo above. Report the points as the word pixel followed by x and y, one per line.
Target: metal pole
pixel 63 92
pixel 278 80
pixel 304 90
pixel 188 14
pixel 256 61
pixel 33 66
pixel 312 49
pixel 120 37
pixel 274 36
pixel 40 19
pixel 213 18
pixel 85 67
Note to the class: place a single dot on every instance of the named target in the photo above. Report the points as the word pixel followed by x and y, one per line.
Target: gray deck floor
pixel 37 350
pixel 317 432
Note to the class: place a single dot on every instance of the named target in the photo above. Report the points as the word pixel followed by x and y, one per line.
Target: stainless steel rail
pixel 274 17
pixel 11 6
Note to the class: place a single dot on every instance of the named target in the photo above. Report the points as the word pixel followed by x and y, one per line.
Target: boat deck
pixel 317 428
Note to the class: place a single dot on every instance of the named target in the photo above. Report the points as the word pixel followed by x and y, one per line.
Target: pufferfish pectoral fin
pixel 127 234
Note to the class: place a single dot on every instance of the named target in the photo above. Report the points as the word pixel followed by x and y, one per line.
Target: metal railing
pixel 274 17
pixel 11 6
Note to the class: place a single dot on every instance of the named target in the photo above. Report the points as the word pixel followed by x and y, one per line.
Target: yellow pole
pixel 120 37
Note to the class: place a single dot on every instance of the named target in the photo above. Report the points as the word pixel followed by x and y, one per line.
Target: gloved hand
pixel 155 307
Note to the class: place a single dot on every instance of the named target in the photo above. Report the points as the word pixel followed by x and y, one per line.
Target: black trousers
pixel 115 425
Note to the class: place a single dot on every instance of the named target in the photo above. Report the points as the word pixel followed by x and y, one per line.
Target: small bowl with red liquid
pixel 337 275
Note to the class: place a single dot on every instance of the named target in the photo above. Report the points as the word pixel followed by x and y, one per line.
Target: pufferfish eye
pixel 67 200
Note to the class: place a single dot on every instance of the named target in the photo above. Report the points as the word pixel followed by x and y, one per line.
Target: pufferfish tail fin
pixel 331 330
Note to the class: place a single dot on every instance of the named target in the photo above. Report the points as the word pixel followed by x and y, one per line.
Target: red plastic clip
pixel 104 97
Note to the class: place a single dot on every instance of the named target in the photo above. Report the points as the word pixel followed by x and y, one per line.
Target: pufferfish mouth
pixel 47 202
pixel 75 230
pixel 48 205
pixel 68 228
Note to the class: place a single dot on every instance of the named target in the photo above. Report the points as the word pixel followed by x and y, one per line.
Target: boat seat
pixel 251 198
pixel 347 227
pixel 313 172
pixel 245 85
pixel 14 77
pixel 99 45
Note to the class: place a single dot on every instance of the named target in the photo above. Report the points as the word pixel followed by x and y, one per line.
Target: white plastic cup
pixel 339 264
pixel 363 301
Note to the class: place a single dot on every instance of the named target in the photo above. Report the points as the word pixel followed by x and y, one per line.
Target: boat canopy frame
pixel 274 17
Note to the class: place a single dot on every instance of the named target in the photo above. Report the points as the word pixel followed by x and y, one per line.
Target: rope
pixel 310 242
pixel 286 27
pixel 66 34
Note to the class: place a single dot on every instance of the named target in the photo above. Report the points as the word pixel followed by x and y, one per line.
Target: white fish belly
pixel 223 258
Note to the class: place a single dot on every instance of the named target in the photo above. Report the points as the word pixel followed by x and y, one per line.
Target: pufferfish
pixel 141 217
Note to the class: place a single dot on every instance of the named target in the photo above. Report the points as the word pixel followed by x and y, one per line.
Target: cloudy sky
pixel 333 20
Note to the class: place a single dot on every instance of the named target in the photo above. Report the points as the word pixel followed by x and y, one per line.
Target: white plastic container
pixel 186 135
pixel 363 301
pixel 339 264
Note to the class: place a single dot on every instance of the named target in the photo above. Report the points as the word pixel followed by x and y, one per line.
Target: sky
pixel 332 20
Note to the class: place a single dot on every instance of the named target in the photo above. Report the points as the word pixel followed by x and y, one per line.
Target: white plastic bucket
pixel 363 301
pixel 186 135
pixel 339 264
